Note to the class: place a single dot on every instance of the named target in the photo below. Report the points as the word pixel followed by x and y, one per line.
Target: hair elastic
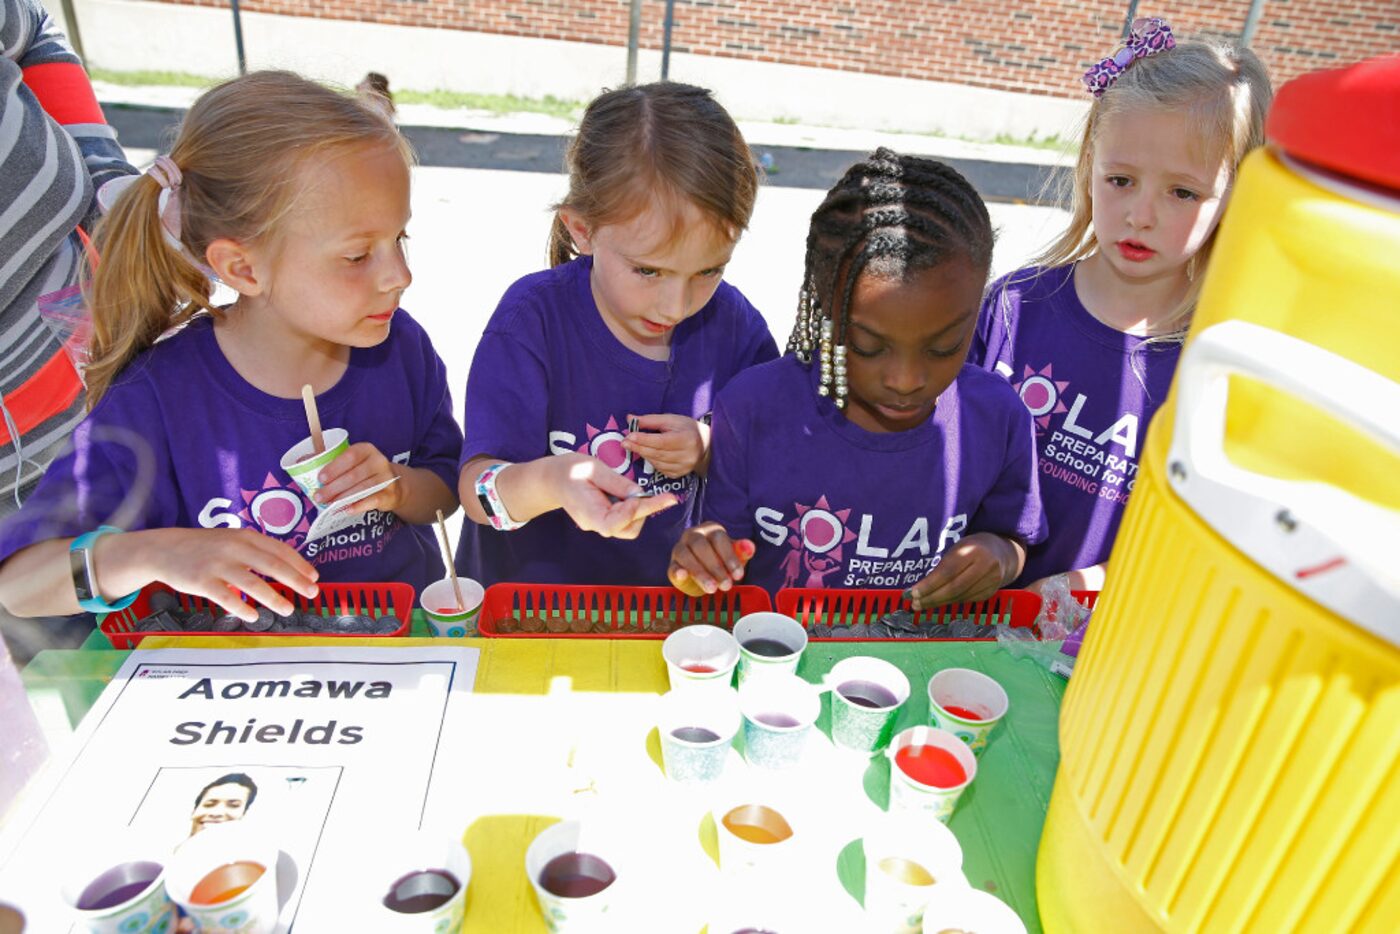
pixel 1147 36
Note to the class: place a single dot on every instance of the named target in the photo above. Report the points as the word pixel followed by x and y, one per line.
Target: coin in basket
pixel 557 623
pixel 164 600
pixel 507 625
pixel 264 621
pixel 347 624
pixel 601 627
pixel 580 624
pixel 155 622
pixel 227 623
pixel 385 625
pixel 662 624
pixel 531 624
pixel 201 621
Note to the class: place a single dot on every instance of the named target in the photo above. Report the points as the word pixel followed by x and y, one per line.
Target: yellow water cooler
pixel 1230 740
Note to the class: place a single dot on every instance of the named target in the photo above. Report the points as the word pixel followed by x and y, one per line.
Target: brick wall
pixel 1039 47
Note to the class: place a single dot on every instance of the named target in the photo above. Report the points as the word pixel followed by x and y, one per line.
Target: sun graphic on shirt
pixel 1041 393
pixel 276 509
pixel 606 444
pixel 821 529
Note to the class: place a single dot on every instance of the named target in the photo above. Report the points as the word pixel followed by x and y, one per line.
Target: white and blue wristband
pixel 85 576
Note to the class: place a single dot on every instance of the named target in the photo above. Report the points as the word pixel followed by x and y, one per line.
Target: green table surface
pixel 998 820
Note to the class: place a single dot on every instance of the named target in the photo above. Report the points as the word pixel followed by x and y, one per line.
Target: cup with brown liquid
pixel 225 877
pixel 770 644
pixel 751 835
pixel 420 883
pixel 906 857
pixel 574 871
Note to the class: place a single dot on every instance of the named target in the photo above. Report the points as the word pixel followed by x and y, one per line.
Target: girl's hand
pixel 359 467
pixel 596 497
pixel 706 559
pixel 973 569
pixel 673 444
pixel 217 564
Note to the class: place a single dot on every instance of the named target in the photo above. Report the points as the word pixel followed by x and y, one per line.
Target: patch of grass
pixel 496 103
pixel 1034 142
pixel 138 78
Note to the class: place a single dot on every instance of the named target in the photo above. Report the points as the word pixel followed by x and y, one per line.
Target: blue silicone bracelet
pixel 94 603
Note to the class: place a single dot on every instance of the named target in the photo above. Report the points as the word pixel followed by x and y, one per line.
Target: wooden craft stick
pixel 447 560
pixel 313 419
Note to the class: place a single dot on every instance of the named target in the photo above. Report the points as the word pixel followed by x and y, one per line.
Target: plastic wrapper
pixel 1062 623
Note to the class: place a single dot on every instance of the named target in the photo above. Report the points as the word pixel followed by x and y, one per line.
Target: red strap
pixel 51 390
pixel 65 93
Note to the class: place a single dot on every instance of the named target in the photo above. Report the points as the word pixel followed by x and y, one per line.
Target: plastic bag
pixel 1061 623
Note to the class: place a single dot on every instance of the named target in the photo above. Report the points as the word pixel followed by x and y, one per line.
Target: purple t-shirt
pixel 209 447
pixel 1091 390
pixel 830 504
pixel 550 378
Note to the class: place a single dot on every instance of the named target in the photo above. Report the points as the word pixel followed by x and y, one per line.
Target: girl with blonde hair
pixel 296 197
pixel 1089 335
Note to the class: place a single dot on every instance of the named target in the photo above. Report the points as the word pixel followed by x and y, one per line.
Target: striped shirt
pixel 56 149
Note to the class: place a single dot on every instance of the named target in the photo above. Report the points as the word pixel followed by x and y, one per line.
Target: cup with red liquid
pixel 770 645
pixel 967 704
pixel 866 696
pixel 697 728
pixel 929 768
pixel 779 711
pixel 225 878
pixel 700 656
pixel 445 616
pixel 419 883
pixel 574 868
pixel 119 887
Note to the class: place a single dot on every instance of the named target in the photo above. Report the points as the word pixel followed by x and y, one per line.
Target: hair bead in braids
pixel 889 216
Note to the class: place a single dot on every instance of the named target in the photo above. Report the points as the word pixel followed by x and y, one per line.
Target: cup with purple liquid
pixel 116 889
pixel 779 711
pixel 770 644
pixel 420 883
pixel 696 730
pixel 866 696
pixel 573 867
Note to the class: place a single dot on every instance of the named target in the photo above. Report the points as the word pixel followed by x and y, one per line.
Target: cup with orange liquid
pixel 751 835
pixel 929 769
pixel 225 878
pixel 906 857
pixel 700 656
pixel 967 704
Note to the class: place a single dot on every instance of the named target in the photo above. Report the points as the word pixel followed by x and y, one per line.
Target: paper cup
pixel 583 912
pixel 697 728
pixel 759 630
pixel 303 465
pixel 908 792
pixel 778 711
pixel 118 889
pixel 866 695
pixel 907 856
pixel 967 704
pixel 438 600
pixel 752 836
pixel 953 908
pixel 225 877
pixel 700 656
pixel 419 884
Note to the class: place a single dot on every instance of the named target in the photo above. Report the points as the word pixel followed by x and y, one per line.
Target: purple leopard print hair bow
pixel 1148 36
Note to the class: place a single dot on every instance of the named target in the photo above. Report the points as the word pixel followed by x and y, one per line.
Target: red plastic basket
pixel 625 612
pixel 813 607
pixel 381 599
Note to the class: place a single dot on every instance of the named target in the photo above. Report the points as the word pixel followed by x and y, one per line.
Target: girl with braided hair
pixel 869 455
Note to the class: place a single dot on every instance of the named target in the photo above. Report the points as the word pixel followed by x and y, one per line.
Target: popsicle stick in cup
pixel 447 560
pixel 313 419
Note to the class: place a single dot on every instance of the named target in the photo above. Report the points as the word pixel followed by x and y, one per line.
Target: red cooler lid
pixel 1346 120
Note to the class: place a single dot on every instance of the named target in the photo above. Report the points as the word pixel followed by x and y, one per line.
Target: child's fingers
pixel 704 557
pixel 662 421
pixel 361 475
pixel 259 591
pixel 278 561
pixel 226 597
pixel 625 519
pixel 938 589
